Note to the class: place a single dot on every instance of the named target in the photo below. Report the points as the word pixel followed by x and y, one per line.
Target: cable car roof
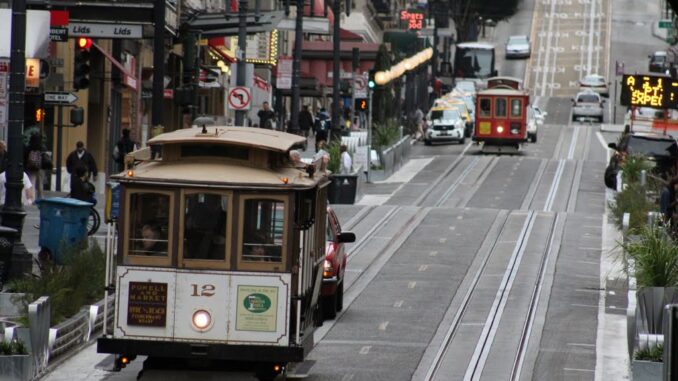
pixel 269 140
pixel 507 92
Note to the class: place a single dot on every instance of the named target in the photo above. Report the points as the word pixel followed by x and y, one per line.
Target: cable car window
pixel 485 107
pixel 205 226
pixel 500 107
pixel 149 224
pixel 263 230
pixel 216 150
pixel 516 108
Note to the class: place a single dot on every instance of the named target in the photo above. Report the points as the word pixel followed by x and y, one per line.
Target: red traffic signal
pixel 84 43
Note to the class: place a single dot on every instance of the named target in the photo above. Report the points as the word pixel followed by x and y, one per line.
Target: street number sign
pixel 240 98
pixel 60 97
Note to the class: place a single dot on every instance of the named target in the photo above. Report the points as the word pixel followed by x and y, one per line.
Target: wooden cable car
pixel 501 115
pixel 221 250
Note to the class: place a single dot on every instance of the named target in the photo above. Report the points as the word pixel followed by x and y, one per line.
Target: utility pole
pixel 241 78
pixel 355 65
pixel 336 73
pixel 13 213
pixel 158 63
pixel 296 67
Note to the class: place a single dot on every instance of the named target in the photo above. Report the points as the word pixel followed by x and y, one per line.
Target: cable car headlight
pixel 202 320
pixel 500 129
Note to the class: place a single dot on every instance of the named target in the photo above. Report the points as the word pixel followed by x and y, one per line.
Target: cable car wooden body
pixel 501 115
pixel 220 251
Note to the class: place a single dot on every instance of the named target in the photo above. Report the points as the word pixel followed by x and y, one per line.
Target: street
pixel 483 267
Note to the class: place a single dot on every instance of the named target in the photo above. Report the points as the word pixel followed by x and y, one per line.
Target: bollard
pixel 643 177
pixel 670 342
pixel 626 220
pixel 619 181
pixel 653 218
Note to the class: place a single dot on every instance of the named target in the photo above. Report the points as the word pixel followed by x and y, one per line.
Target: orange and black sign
pixel 361 104
pixel 147 304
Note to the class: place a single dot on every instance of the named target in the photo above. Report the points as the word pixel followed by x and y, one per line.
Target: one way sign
pixel 60 98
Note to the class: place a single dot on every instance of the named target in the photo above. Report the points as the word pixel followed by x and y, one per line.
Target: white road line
pixel 411 284
pixel 382 326
pixel 548 48
pixel 578 370
pixel 582 345
pixel 584 305
pixel 554 186
pixel 573 143
pixel 592 21
pixel 365 350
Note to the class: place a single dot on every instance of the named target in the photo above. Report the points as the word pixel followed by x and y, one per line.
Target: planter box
pixel 15 368
pixel 647 370
pixel 343 189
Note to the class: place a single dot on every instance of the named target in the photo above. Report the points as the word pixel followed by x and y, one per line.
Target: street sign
pixel 105 30
pixel 665 24
pixel 619 67
pixel 284 77
pixel 58 34
pixel 240 98
pixel 60 97
pixel 360 86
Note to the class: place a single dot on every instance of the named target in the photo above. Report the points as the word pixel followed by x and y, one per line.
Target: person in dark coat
pixel 305 120
pixel 81 157
pixel 81 189
pixel 124 146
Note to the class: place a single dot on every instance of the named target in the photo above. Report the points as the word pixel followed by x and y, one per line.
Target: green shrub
pixel 655 354
pixel 12 348
pixel 632 200
pixel 79 281
pixel 386 134
pixel 334 163
pixel 633 165
pixel 655 257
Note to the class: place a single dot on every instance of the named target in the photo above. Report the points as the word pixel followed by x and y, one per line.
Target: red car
pixel 332 291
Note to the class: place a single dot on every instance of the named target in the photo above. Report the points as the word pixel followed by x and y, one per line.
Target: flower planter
pixel 15 368
pixel 647 370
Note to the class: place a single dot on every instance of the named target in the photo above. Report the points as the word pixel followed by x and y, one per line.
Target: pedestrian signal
pixel 361 104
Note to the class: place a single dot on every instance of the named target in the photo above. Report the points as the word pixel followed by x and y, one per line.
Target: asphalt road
pixel 483 267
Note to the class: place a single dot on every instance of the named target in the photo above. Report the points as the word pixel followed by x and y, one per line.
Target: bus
pixel 220 252
pixel 474 60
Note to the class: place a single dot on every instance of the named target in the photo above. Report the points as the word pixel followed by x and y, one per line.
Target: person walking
pixel 81 188
pixel 81 157
pixel 346 161
pixel 266 117
pixel 33 162
pixel 322 127
pixel 305 120
pixel 124 146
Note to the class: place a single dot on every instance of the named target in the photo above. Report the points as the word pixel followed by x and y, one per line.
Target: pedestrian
pixel 266 117
pixel 124 146
pixel 667 199
pixel 322 127
pixel 33 159
pixel 4 158
pixel 81 188
pixel 346 161
pixel 305 120
pixel 27 196
pixel 81 158
pixel 419 123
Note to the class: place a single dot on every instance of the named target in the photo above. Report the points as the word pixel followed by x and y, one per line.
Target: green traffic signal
pixel 370 84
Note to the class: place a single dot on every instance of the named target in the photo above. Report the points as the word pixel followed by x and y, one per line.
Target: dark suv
pixel 661 149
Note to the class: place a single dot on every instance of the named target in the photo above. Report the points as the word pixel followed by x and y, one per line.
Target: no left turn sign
pixel 239 98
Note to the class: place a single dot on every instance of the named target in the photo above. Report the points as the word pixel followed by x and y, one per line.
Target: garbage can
pixel 342 189
pixel 62 221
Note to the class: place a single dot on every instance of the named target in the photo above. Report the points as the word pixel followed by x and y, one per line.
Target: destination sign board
pixel 147 304
pixel 655 91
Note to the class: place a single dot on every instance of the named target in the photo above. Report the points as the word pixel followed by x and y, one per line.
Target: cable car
pixel 220 251
pixel 501 116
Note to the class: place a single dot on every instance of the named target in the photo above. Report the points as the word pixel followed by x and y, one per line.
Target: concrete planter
pixel 392 158
pixel 647 370
pixel 15 368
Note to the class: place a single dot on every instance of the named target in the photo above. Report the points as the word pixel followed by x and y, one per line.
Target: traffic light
pixel 370 80
pixel 360 104
pixel 81 67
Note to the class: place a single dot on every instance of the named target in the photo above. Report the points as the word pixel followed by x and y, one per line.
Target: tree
pixel 383 106
pixel 466 15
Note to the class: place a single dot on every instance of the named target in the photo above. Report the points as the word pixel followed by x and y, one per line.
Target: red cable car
pixel 501 115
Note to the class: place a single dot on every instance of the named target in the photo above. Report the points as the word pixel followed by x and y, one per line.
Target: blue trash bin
pixel 62 220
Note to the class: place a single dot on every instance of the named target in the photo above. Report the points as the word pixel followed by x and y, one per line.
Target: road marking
pixel 584 305
pixel 473 324
pixel 433 253
pixel 382 326
pixel 602 141
pixel 550 199
pixel 586 290
pixel 398 304
pixel 460 217
pixel 442 240
pixel 452 227
pixel 573 143
pixel 612 293
pixel 411 284
pixel 423 268
pixel 582 345
pixel 578 370
pixel 365 350
pixel 586 276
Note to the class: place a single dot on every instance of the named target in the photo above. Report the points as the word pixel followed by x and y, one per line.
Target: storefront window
pixel 149 224
pixel 205 226
pixel 263 230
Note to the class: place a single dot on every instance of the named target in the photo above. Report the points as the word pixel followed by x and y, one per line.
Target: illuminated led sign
pixel 414 19
pixel 649 91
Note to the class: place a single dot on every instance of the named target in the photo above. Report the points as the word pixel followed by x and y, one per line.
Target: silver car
pixel 518 47
pixel 587 104
pixel 596 83
pixel 446 125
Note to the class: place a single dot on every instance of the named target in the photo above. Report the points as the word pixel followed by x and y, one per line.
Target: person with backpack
pixel 124 146
pixel 33 162
pixel 322 127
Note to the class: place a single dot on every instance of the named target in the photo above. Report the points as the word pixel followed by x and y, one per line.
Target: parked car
pixel 446 125
pixel 596 83
pixel 454 104
pixel 659 62
pixel 534 119
pixel 587 104
pixel 334 267
pixel 518 47
pixel 660 149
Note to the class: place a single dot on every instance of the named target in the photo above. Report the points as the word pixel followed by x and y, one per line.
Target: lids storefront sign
pixel 105 30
